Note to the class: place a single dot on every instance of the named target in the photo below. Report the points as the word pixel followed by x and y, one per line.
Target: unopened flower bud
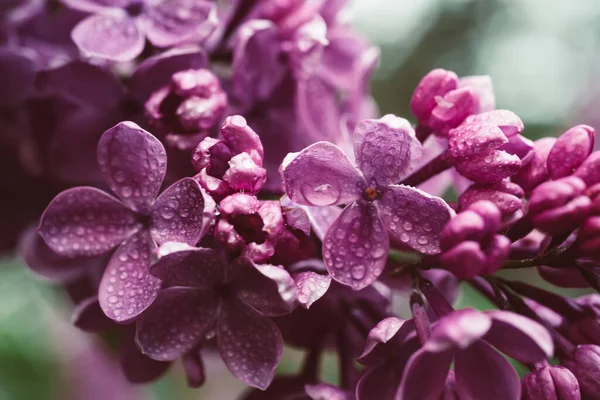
pixel 589 170
pixel 570 151
pixel 469 244
pixel 436 83
pixel 534 170
pixel 584 363
pixel 505 195
pixel 550 383
pixel 559 206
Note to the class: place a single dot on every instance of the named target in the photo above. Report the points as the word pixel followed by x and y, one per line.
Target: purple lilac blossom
pixel 356 245
pixel 116 30
pixel 85 221
pixel 235 301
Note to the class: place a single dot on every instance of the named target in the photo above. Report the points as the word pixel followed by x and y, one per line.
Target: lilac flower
pixel 534 170
pixel 188 107
pixel 442 101
pixel 85 221
pixel 233 163
pixel 470 244
pixel 570 151
pixel 202 296
pixel 505 195
pixel 117 29
pixel 465 337
pixel 551 382
pixel 584 363
pixel 589 170
pixel 249 225
pixel 487 147
pixel 356 245
pixel 559 206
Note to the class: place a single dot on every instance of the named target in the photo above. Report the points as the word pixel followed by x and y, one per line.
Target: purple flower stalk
pixel 356 245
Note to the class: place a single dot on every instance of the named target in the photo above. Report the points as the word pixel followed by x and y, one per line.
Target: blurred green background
pixel 542 56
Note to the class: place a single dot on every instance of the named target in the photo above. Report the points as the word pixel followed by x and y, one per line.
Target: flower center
pixel 371 193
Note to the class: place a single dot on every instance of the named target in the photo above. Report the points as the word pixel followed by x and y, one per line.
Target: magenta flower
pixel 551 382
pixel 487 147
pixel 85 221
pixel 464 337
pixel 356 245
pixel 570 151
pixel 117 29
pixel 470 244
pixel 202 296
pixel 505 195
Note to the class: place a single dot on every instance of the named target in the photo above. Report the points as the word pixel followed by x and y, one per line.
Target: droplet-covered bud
pixel 452 109
pixel 559 206
pixel 191 104
pixel 233 163
pixel 436 83
pixel 505 195
pixel 570 151
pixel 589 170
pixel 584 363
pixel 477 154
pixel 550 383
pixel 470 246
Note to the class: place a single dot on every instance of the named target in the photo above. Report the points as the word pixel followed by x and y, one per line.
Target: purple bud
pixel 534 170
pixel 509 123
pixel 551 383
pixel 588 238
pixel 570 151
pixel 481 86
pixel 584 363
pixel 476 150
pixel 190 104
pixel 469 243
pixel 242 139
pixel 244 175
pixel 452 109
pixel 505 195
pixel 589 170
pixel 559 206
pixel 436 83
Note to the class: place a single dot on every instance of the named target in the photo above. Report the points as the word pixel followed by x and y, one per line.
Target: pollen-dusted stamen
pixel 371 193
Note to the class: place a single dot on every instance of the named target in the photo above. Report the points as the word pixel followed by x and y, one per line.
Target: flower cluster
pixel 272 206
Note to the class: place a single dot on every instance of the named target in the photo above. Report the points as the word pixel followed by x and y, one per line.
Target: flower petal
pixel 250 344
pixel 311 287
pixel 475 139
pixel 325 391
pixel 181 265
pixel 379 382
pixel 320 175
pixel 177 214
pixel 458 330
pixel 482 373
pixel 44 262
pixel 85 221
pixel 490 168
pixel 156 72
pixel 386 149
pixel 133 163
pixel 88 316
pixel 127 288
pixel 257 67
pixel 176 322
pixel 268 289
pixel 356 246
pixel 112 37
pixel 173 22
pixel 519 337
pixel 414 217
pixel 385 330
pixel 137 367
pixel 425 375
